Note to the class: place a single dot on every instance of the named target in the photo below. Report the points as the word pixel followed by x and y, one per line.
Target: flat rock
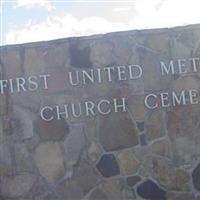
pixel 16 186
pixel 128 162
pixel 150 190
pixel 49 160
pixel 117 131
pixel 108 165
pixel 54 130
pixel 196 177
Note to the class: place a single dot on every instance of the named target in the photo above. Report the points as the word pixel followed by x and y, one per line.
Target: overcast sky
pixel 37 20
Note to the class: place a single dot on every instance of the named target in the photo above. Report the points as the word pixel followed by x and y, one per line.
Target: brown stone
pixel 128 162
pixel 183 129
pixel 117 131
pixel 168 176
pixel 155 124
pixel 54 130
pixel 185 197
pixel 133 180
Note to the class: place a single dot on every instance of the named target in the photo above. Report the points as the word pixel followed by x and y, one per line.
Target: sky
pixel 23 21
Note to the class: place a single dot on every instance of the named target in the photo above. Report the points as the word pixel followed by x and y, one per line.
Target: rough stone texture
pixel 85 176
pixel 98 194
pixel 49 160
pixel 196 177
pixel 150 190
pixel 128 163
pixel 16 186
pixel 12 62
pixel 33 61
pixel 161 148
pixel 139 154
pixel 53 130
pixel 117 132
pixel 155 124
pixel 133 180
pixel 108 165
pixel 73 146
pixel 170 177
pixel 70 190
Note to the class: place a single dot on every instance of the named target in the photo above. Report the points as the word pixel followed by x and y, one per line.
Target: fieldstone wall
pixel 139 154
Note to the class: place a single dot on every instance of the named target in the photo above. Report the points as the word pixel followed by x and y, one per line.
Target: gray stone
pixel 73 146
pixel 98 194
pixel 16 186
pixel 69 190
pixel 196 177
pixel 85 176
pixel 25 121
pixel 33 62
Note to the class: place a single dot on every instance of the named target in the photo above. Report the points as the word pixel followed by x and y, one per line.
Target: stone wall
pixel 139 154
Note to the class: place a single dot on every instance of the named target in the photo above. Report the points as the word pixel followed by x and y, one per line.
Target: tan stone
pixel 155 124
pixel 128 162
pixel 169 176
pixel 161 148
pixel 49 160
pixel 185 197
pixel 94 152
